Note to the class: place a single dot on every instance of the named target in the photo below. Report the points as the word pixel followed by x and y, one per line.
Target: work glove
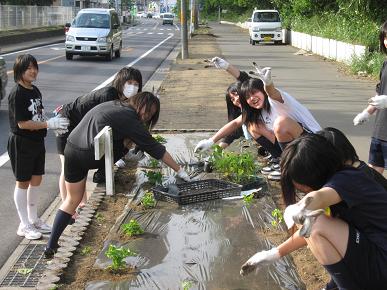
pixel 204 145
pixel 59 132
pixel 379 102
pixel 134 155
pixel 361 118
pixel 259 260
pixel 183 175
pixel 220 63
pixel 120 163
pixel 58 123
pixel 298 214
pixel 265 75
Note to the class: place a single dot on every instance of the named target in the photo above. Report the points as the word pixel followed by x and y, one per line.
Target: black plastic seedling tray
pixel 197 191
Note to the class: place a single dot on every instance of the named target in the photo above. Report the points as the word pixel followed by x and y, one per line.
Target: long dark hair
pixel 232 111
pixel 145 100
pixel 382 36
pixel 308 160
pixel 250 115
pixel 126 74
pixel 21 64
pixel 344 148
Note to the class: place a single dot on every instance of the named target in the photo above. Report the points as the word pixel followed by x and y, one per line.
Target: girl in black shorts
pixel 126 83
pixel 127 119
pixel 26 148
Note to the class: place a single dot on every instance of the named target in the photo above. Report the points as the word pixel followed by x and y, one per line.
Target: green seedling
pixel 24 271
pixel 154 177
pixel 99 217
pixel 160 139
pixel 248 199
pixel 148 201
pixel 86 250
pixel 132 228
pixel 186 285
pixel 118 255
pixel 278 218
pixel 154 163
pixel 56 287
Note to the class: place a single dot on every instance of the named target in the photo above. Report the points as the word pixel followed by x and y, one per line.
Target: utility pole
pixel 184 32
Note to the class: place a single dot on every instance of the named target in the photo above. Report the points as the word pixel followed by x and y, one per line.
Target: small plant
pixel 117 255
pixel 24 271
pixel 154 177
pixel 160 139
pixel 154 163
pixel 148 201
pixel 99 217
pixel 86 251
pixel 248 199
pixel 132 228
pixel 278 218
pixel 186 285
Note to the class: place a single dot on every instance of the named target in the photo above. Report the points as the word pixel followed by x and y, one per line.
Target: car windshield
pixel 266 17
pixel 92 20
pixel 168 16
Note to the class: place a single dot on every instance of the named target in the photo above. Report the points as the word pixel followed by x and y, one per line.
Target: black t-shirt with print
pixel 77 109
pixel 124 123
pixel 24 105
pixel 364 204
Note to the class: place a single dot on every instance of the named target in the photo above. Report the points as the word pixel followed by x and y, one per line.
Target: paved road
pixel 333 97
pixel 145 46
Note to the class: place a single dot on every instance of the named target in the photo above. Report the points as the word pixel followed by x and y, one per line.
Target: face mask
pixel 130 90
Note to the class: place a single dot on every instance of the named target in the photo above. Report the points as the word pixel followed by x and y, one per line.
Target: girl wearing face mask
pixel 126 83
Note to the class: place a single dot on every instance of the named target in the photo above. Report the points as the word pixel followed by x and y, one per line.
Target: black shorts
pixel 77 163
pixel 61 141
pixel 27 157
pixel 365 261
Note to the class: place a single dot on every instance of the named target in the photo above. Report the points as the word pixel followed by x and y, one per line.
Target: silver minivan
pixel 95 31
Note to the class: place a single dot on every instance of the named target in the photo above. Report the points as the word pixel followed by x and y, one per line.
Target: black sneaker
pixel 262 152
pixel 99 176
pixel 49 253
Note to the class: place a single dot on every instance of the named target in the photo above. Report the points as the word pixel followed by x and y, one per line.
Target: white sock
pixel 32 203
pixel 20 198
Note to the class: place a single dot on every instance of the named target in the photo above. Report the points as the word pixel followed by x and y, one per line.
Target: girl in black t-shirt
pixel 126 83
pixel 351 243
pixel 26 148
pixel 127 119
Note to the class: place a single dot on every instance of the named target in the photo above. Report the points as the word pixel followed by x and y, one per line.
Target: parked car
pixel 141 14
pixel 265 27
pixel 149 15
pixel 95 31
pixel 167 18
pixel 3 77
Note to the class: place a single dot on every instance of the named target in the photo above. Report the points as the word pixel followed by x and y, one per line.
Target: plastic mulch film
pixel 202 245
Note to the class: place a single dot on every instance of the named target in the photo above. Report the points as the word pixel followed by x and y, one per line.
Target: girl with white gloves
pixel 126 83
pixel 351 242
pixel 127 119
pixel 378 149
pixel 271 116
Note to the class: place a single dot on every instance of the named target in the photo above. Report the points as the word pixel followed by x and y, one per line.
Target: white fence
pixel 19 17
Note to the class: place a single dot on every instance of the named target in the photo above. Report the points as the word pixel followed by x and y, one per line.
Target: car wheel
pixel 253 42
pixel 278 42
pixel 109 56
pixel 117 54
pixel 69 56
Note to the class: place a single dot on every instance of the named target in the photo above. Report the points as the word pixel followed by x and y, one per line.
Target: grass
pixel 29 30
pixel 370 63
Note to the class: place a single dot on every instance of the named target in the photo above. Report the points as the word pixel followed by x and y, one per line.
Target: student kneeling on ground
pixel 128 120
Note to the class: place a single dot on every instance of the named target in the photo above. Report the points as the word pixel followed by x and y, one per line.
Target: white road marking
pixel 35 48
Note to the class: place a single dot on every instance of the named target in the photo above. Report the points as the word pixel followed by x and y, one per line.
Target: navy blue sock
pixel 341 276
pixel 274 150
pixel 331 285
pixel 60 223
pixel 283 144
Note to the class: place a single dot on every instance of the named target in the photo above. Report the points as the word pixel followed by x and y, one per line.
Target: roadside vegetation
pixel 351 21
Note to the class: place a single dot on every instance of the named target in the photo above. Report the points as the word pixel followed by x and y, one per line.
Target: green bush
pixel 370 62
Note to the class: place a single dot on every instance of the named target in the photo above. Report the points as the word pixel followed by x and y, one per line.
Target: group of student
pixel 123 106
pixel 319 169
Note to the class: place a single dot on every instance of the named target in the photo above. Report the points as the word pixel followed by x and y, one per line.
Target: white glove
pixel 59 132
pixel 361 118
pixel 58 123
pixel 379 102
pixel 220 63
pixel 120 163
pixel 260 259
pixel 265 75
pixel 204 145
pixel 133 156
pixel 290 212
pixel 183 175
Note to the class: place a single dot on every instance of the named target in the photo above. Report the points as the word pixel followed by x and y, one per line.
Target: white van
pixel 95 31
pixel 265 27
